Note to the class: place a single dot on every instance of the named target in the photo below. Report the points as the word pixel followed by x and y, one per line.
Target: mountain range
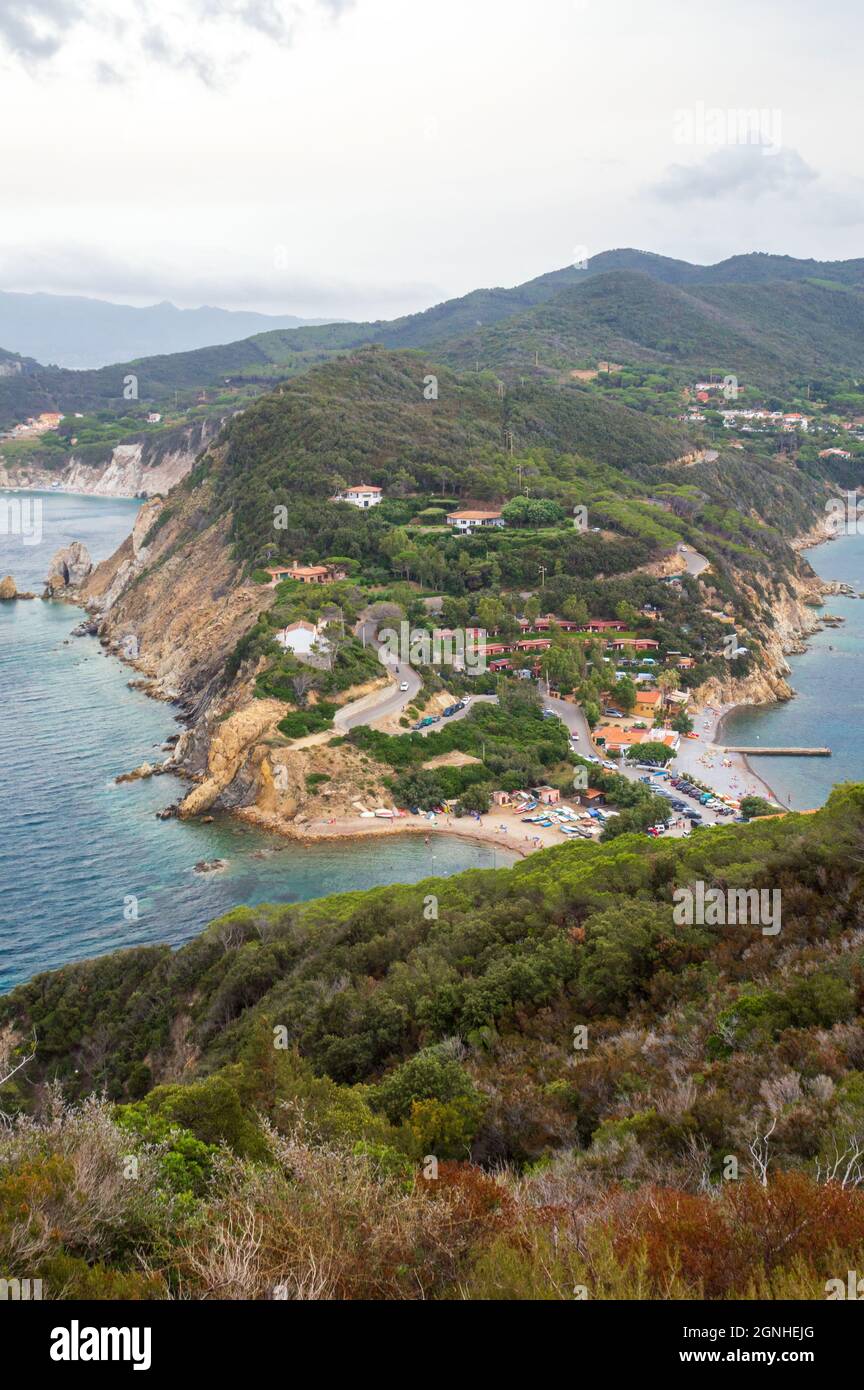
pixel 72 331
pixel 775 321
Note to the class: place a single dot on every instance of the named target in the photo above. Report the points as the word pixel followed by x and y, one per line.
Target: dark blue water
pixel 79 856
pixel 828 710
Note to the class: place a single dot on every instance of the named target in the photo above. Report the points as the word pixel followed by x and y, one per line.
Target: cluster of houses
pixel 36 425
pixel 504 655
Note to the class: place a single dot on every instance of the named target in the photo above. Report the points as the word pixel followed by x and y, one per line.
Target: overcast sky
pixel 364 158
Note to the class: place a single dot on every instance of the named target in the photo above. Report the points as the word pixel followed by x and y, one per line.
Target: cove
pixel 85 866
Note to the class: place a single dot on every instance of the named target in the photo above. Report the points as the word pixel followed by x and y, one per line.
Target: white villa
pixel 364 496
pixel 300 638
pixel 466 522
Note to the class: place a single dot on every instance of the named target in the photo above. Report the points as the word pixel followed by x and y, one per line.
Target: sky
pixel 367 158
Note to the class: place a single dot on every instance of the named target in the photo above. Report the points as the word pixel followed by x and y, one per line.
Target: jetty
pixel 782 752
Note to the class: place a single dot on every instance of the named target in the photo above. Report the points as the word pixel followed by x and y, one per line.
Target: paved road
pixel 696 563
pixel 380 703
pixel 463 713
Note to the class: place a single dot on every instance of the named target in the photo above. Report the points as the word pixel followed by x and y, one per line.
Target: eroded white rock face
pixel 71 564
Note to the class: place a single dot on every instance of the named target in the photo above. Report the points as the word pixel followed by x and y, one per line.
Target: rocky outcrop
pixel 69 567
pixel 230 743
pixel 8 588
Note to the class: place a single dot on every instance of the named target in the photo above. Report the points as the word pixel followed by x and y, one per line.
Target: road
pixel 380 703
pixel 463 713
pixel 696 563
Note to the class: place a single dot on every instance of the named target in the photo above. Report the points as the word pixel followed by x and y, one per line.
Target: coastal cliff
pixel 141 468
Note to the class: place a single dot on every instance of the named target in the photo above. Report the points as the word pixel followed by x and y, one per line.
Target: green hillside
pixel 631 305
pixel 402 1092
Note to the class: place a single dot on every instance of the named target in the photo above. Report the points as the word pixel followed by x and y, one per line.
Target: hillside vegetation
pixel 635 306
pixel 503 1084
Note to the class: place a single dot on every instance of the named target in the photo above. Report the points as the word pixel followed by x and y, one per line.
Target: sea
pixel 86 867
pixel 828 708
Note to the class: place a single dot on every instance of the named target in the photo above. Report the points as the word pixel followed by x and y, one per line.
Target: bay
pixel 85 865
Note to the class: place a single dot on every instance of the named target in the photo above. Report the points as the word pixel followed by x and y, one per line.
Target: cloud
pixel 157 45
pixel 34 29
pixel 750 170
pixel 204 43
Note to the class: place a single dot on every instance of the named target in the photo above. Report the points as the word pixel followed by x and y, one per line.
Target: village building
pixel 592 798
pixel 363 496
pixel 301 638
pixel 648 704
pixel 306 574
pixel 468 521
pixel 549 796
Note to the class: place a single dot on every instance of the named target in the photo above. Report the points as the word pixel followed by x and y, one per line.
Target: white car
pixel 574 738
pixel 404 688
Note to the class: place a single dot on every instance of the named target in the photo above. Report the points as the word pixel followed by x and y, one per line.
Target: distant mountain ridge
pixel 81 333
pixel 773 319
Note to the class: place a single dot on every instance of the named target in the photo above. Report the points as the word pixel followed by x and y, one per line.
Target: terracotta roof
pixel 474 516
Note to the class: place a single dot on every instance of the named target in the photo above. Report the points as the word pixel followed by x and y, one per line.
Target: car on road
pixel 428 721
pixel 453 709
pixel 404 688
pixel 574 738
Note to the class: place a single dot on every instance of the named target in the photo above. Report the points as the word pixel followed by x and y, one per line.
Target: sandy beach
pixel 730 774
pixel 501 828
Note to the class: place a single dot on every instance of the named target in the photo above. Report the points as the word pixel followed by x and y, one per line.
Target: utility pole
pixel 543 569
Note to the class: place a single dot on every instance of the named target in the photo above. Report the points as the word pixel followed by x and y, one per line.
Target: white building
pixel 363 496
pixel 466 522
pixel 300 638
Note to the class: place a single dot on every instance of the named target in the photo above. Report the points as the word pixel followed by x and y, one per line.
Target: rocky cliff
pixel 142 468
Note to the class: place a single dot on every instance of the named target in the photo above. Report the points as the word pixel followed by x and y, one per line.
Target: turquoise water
pixel 828 710
pixel 75 849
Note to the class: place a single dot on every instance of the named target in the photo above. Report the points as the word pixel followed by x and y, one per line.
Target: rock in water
pixel 8 588
pixel 71 565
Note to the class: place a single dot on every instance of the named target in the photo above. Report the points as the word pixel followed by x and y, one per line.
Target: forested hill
pixel 673 1099
pixel 773 318
pixel 774 335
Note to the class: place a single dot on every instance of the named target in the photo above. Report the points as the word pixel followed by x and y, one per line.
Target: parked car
pixel 451 710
